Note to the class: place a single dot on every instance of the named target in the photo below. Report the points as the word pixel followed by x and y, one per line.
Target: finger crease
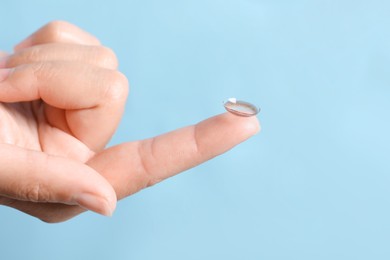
pixel 145 169
pixel 197 149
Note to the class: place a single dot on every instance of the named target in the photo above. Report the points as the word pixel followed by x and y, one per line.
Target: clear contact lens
pixel 240 108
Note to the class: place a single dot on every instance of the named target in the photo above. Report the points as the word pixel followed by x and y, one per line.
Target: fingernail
pixel 95 203
pixel 4 74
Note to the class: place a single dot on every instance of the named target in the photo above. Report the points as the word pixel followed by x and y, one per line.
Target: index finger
pixel 130 167
pixel 58 32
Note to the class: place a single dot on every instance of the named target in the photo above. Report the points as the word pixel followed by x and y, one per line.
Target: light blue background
pixel 313 185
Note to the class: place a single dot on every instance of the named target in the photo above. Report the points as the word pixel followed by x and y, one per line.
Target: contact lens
pixel 240 108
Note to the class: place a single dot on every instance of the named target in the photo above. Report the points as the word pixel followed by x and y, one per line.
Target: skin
pixel 58 87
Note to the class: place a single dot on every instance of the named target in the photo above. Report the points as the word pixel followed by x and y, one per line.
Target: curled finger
pixel 94 55
pixel 92 97
pixel 58 31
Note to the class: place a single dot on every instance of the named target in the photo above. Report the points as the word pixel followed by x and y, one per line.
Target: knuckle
pixel 58 23
pixel 54 30
pixel 117 87
pixel 59 31
pixel 33 193
pixel 107 57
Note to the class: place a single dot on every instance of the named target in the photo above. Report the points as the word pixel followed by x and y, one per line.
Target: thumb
pixel 38 177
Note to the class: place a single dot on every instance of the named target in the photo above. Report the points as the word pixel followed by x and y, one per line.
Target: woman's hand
pixel 61 99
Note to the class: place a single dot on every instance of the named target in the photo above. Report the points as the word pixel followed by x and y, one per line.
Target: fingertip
pixel 103 205
pixel 255 126
pixel 101 200
pixel 250 125
pixel 111 200
pixel 246 126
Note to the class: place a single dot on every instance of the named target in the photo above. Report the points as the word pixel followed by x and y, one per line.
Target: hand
pixel 61 100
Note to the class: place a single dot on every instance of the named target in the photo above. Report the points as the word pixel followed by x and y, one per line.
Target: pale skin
pixel 61 100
